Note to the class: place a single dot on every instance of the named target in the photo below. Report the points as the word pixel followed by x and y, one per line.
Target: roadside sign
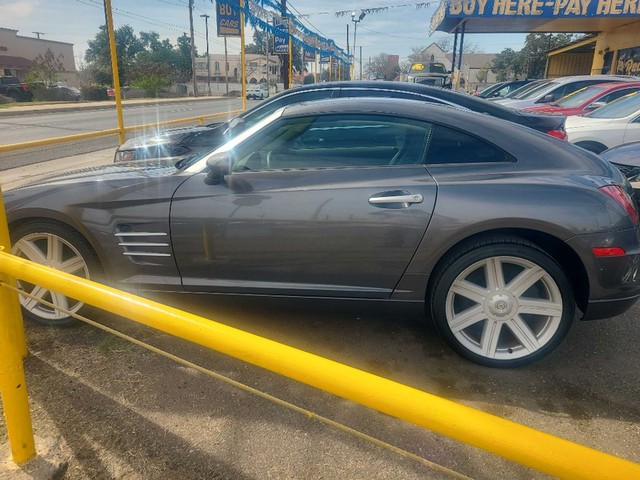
pixel 228 18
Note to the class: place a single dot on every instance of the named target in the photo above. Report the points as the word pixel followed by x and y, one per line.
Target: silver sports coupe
pixel 501 234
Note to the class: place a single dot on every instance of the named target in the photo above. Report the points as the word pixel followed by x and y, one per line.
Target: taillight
pixel 622 197
pixel 560 134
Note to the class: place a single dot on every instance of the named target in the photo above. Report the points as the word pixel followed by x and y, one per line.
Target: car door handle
pixel 408 199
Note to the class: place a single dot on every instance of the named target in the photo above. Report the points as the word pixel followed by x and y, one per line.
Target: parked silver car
pixel 497 231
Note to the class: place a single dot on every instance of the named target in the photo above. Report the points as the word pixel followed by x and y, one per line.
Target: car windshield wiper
pixel 187 161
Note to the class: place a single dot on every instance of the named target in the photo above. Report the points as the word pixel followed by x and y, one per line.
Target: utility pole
pixel 193 50
pixel 206 35
pixel 285 58
pixel 348 45
pixel 226 66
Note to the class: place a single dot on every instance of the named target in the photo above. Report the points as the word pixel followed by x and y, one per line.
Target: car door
pixel 318 205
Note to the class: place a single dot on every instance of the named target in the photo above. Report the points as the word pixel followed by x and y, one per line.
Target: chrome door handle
pixel 411 198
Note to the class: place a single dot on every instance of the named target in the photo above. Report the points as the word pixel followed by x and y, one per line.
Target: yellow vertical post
pixel 242 58
pixel 114 70
pixel 17 325
pixel 13 385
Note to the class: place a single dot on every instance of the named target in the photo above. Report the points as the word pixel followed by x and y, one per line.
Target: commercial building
pixel 17 54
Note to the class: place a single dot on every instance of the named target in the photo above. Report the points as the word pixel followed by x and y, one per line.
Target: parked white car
pixel 557 88
pixel 616 123
pixel 258 91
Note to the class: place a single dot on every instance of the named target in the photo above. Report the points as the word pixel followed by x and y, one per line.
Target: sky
pixel 394 31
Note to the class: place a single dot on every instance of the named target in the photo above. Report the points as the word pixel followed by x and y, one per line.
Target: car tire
pixel 502 302
pixel 38 241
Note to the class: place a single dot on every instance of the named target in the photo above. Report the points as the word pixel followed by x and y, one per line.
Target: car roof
pixel 389 106
pixel 461 99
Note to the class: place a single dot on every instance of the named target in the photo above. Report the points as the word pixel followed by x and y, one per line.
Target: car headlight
pixel 125 156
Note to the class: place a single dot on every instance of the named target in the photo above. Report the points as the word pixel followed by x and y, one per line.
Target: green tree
pixel 183 61
pixel 535 50
pixel 507 65
pixel 531 61
pixel 483 73
pixel 128 45
pixel 379 67
pixel 45 68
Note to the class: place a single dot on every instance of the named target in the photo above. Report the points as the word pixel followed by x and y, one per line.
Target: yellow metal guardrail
pixel 112 131
pixel 508 439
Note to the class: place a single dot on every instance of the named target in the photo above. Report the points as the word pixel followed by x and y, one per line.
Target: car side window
pixel 617 94
pixel 335 141
pixel 270 107
pixel 448 146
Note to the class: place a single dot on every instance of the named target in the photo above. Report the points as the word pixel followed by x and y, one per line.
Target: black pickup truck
pixel 13 88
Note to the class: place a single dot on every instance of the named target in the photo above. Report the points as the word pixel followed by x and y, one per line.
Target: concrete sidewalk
pixel 20 176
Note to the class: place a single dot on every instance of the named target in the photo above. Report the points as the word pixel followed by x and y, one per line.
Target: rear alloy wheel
pixel 503 304
pixel 58 247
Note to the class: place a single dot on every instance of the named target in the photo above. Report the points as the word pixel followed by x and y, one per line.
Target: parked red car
pixel 587 99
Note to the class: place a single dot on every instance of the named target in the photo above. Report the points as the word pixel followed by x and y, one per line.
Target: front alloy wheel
pixel 58 247
pixel 503 305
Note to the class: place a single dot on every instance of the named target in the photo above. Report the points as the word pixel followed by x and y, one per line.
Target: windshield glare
pixel 201 164
pixel 539 91
pixel 578 97
pixel 526 88
pixel 620 108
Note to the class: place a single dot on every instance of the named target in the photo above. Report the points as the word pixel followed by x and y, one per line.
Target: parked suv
pixel 259 91
pixel 557 88
pixel 12 87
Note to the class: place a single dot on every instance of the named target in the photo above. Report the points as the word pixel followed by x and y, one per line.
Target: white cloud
pixel 18 10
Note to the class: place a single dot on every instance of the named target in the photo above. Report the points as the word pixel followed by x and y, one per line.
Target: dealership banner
pixel 228 18
pixel 325 58
pixel 309 55
pixel 628 62
pixel 281 35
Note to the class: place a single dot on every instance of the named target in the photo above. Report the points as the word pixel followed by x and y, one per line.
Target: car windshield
pixel 578 97
pixel 620 108
pixel 526 89
pixel 538 91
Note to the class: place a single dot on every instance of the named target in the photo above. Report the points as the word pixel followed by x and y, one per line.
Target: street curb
pixel 111 105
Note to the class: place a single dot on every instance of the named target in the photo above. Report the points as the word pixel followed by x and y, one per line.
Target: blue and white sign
pixel 228 18
pixel 281 40
pixel 309 56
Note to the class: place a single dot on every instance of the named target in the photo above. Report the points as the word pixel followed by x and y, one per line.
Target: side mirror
pixel 595 105
pixel 219 165
pixel 236 125
pixel 548 98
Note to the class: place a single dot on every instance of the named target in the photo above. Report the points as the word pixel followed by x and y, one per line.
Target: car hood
pixel 126 172
pixel 169 137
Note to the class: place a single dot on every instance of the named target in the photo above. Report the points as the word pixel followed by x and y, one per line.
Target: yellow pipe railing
pixel 112 131
pixel 508 439
pixel 13 347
